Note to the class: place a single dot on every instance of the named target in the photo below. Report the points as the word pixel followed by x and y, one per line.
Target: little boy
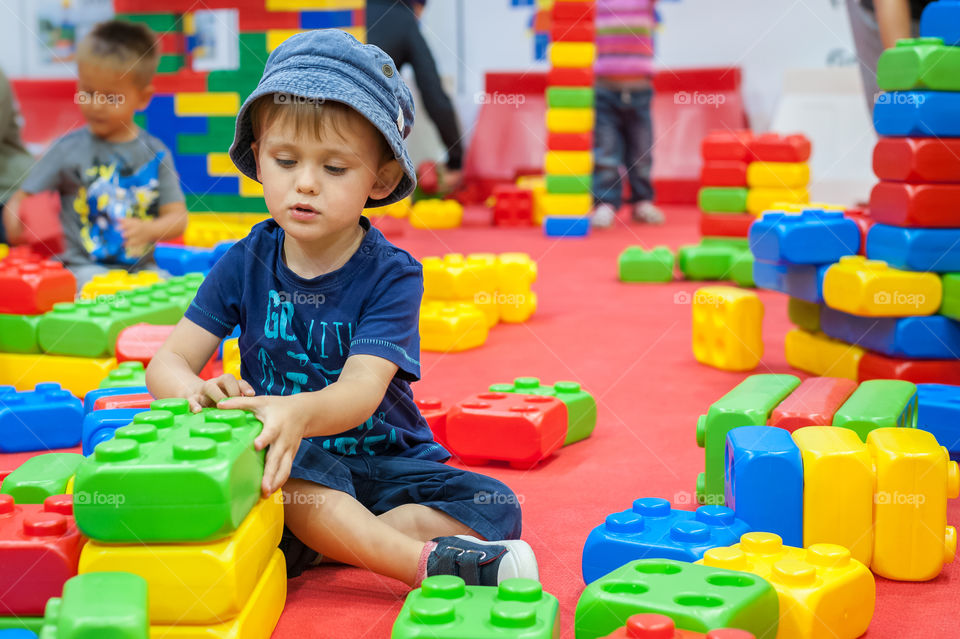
pixel 328 311
pixel 119 192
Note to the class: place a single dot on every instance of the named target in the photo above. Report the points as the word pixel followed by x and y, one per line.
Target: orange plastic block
pixel 727 325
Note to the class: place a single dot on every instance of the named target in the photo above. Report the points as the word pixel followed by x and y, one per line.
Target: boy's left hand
pixel 137 235
pixel 283 427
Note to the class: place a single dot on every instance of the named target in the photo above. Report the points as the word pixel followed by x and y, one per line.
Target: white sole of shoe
pixel 519 562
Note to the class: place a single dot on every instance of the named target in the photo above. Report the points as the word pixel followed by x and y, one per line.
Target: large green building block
pixel 180 291
pixel 919 63
pixel 723 199
pixel 696 597
pixel 738 243
pixel 33 624
pixel 570 97
pixel 158 22
pixel 124 375
pixel 748 404
pixel 879 403
pixel 40 477
pixel 444 608
pixel 581 406
pixel 804 314
pixel 568 184
pixel 18 333
pixel 707 262
pixel 219 203
pixel 99 605
pixel 253 57
pixel 638 265
pixel 741 271
pixel 218 138
pixel 170 63
pixel 950 306
pixel 171 476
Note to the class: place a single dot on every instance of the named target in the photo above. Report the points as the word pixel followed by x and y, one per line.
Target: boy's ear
pixel 146 94
pixel 388 177
pixel 255 147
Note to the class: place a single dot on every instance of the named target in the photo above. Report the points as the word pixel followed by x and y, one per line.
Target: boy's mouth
pixel 303 211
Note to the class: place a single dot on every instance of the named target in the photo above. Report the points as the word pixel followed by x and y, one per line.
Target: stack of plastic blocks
pixel 580 405
pixel 568 165
pixel 723 184
pixel 174 497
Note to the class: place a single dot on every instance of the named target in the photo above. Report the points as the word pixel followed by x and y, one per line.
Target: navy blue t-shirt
pixel 297 333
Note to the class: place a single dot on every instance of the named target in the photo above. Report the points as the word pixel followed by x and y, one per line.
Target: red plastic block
pixel 723 173
pixel 902 204
pixel 724 225
pixel 182 80
pixel 136 400
pixel 171 42
pixel 435 413
pixel 572 31
pixel 654 626
pixel 39 550
pixel 727 145
pixel 927 371
pixel 570 77
pixel 812 403
pixel 513 206
pixel 570 141
pixel 917 159
pixel 140 342
pixel 864 222
pixel 573 11
pixel 773 147
pixel 428 180
pixel 32 288
pixel 519 429
pixel 259 19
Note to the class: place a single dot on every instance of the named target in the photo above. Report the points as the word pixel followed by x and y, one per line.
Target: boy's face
pixel 316 188
pixel 108 98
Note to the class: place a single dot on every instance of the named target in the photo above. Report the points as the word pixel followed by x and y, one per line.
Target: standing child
pixel 623 133
pixel 119 192
pixel 15 161
pixel 328 312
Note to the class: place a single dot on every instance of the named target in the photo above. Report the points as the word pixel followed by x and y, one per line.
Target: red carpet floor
pixel 630 346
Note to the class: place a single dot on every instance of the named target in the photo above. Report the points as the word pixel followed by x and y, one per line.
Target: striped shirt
pixel 624 40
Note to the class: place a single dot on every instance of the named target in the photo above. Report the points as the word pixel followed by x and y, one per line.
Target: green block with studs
pixel 581 406
pixel 99 605
pixel 741 271
pixel 158 22
pixel 568 184
pixel 171 476
pixel 218 138
pixel 919 63
pixel 443 607
pixel 638 265
pixel 124 375
pixel 722 199
pixel 179 290
pixel 40 477
pixel 950 306
pixel 219 203
pixel 707 261
pixel 570 97
pixel 804 314
pixel 18 333
pixel 879 403
pixel 33 624
pixel 170 63
pixel 698 598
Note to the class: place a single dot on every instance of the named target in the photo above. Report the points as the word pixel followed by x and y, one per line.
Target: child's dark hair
pixel 128 46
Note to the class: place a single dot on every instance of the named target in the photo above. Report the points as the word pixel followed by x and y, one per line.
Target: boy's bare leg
pixel 424 523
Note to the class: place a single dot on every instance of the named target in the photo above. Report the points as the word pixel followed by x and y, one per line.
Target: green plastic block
pixel 581 406
pixel 570 97
pixel 696 597
pixel 950 306
pixel 99 605
pixel 180 291
pixel 33 624
pixel 170 63
pixel 919 63
pixel 638 265
pixel 706 262
pixel 568 184
pixel 804 314
pixel 159 22
pixel 125 374
pixel 171 476
pixel 444 608
pixel 218 138
pixel 722 199
pixel 243 80
pixel 748 404
pixel 218 203
pixel 18 333
pixel 739 243
pixel 741 271
pixel 879 403
pixel 40 477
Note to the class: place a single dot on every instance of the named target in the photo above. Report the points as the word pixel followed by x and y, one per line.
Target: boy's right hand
pixel 218 388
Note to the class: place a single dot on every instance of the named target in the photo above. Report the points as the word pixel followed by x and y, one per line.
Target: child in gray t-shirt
pixel 120 193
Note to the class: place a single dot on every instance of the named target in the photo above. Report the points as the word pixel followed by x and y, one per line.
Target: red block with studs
pixel 926 371
pixel 773 147
pixel 32 288
pixel 902 204
pixel 135 400
pixel 435 413
pixel 727 145
pixel 140 342
pixel 512 206
pixel 725 224
pixel 573 11
pixel 519 429
pixel 917 159
pixel 723 173
pixel 812 403
pixel 39 550
pixel 654 626
pixel 570 141
pixel 570 77
pixel 569 31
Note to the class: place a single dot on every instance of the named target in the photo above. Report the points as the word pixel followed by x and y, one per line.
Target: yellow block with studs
pixel 116 280
pixel 763 199
pixel 871 288
pixel 567 204
pixel 436 214
pixel 563 120
pixel 206 104
pixel 727 328
pixel 399 209
pixel 448 327
pixel 220 164
pixel 778 175
pixel 313 5
pixel 79 375
pixel 577 55
pixel 231 357
pixel 568 162
pixel 818 354
pixel 4 251
pixel 208 230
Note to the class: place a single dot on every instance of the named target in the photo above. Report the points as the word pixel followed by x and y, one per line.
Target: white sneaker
pixel 603 216
pixel 482 563
pixel 647 213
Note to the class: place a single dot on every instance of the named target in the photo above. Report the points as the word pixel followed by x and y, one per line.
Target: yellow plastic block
pixel 209 230
pixel 568 162
pixel 399 209
pixel 358 32
pixel 116 280
pixel 231 357
pixel 818 354
pixel 4 251
pixel 538 185
pixel 257 619
pixel 860 286
pixel 778 175
pixel 573 54
pixel 436 214
pixel 516 272
pixel 837 489
pixel 574 204
pixel 76 374
pixel 276 37
pixel 203 103
pixel 309 5
pixel 69 489
pixel 198 584
pixel 727 328
pixel 763 199
pixel 516 308
pixel 449 327
pixel 455 277
pixel 800 207
pixel 915 477
pixel 824 593
pixel 563 120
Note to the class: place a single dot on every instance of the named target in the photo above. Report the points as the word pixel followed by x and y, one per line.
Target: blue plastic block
pixel 17 634
pixel 917 114
pixel 45 418
pixel 92 396
pixel 220 250
pixel 763 481
pixel 652 530
pixel 942 20
pixel 927 337
pixel 813 237
pixel 99 425
pixel 165 124
pixel 541 41
pixel 801 281
pixel 562 226
pixel 180 260
pixel 326 19
pixel 939 413
pixel 195 179
pixel 911 249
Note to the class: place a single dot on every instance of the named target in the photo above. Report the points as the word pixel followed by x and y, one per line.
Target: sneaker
pixel 603 216
pixel 482 563
pixel 647 213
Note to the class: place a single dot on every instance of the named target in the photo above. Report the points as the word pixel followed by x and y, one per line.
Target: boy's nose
pixel 307 182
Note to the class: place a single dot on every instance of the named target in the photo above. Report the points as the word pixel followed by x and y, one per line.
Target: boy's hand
pixel 138 235
pixel 217 389
pixel 284 422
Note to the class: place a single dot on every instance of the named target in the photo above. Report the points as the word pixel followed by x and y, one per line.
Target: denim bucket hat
pixel 329 64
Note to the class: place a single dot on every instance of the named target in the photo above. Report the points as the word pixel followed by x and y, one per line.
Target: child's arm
pixel 12 223
pixel 342 405
pixel 173 370
pixel 140 235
